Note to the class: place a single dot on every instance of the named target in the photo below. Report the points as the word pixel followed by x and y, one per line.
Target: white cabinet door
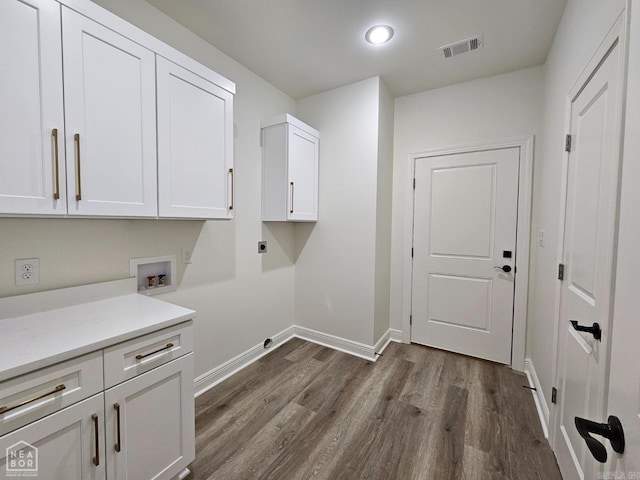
pixel 303 175
pixel 31 163
pixel 150 423
pixel 62 445
pixel 195 145
pixel 289 170
pixel 109 88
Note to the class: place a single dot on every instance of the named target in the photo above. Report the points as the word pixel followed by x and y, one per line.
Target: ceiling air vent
pixel 463 46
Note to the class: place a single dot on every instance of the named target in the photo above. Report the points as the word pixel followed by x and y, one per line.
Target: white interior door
pixel 588 254
pixel 465 222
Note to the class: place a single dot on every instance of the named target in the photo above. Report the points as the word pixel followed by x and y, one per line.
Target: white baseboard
pixel 337 343
pixel 216 375
pixel 538 396
pixel 391 335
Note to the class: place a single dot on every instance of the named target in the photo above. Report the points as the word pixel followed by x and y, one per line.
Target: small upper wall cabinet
pixel 289 170
pixel 80 133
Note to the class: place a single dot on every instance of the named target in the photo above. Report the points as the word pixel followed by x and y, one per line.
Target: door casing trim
pixel 525 181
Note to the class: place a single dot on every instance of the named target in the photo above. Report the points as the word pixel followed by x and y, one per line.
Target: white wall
pixel 335 271
pixel 584 25
pixel 384 214
pixel 241 297
pixel 492 108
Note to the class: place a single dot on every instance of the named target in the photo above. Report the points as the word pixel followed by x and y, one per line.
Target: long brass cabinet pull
pixel 232 182
pixel 76 138
pixel 54 134
pixel 116 406
pixel 292 191
pixel 96 459
pixel 140 356
pixel 58 388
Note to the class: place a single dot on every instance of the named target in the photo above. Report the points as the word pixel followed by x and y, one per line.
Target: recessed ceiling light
pixel 379 34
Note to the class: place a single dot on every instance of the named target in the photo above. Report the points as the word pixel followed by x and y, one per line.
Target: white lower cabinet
pixel 149 423
pixel 68 444
pixel 141 428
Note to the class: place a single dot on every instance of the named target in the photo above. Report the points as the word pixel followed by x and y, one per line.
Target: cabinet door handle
pixel 140 356
pixel 54 134
pixel 232 182
pixel 96 459
pixel 58 388
pixel 292 192
pixel 116 406
pixel 76 138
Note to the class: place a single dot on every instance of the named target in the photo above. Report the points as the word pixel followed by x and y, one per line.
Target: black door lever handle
pixel 594 329
pixel 611 430
pixel 504 268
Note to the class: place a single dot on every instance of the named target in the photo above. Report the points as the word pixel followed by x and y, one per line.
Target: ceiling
pixel 305 47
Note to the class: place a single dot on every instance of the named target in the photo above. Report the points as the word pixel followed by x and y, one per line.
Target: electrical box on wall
pixel 154 274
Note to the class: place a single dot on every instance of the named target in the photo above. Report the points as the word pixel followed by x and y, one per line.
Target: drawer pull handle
pixel 96 459
pixel 117 408
pixel 140 356
pixel 58 388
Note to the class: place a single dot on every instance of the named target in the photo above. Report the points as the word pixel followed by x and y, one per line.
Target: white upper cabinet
pixel 195 145
pixel 32 161
pixel 289 170
pixel 109 91
pixel 79 131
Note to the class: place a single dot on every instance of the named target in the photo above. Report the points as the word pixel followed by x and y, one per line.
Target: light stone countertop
pixel 36 340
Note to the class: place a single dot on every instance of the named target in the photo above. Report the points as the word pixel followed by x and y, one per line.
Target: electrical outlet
pixel 186 255
pixel 27 271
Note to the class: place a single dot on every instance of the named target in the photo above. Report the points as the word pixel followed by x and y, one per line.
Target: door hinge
pixel 554 395
pixel 561 271
pixel 414 183
pixel 410 319
pixel 567 143
pixel 411 252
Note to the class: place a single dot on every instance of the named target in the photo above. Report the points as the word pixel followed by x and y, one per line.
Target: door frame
pixel 617 33
pixel 523 229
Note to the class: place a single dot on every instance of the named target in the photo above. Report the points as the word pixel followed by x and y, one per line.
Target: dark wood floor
pixel 308 412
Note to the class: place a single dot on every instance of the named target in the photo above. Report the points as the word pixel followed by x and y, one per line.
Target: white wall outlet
pixel 186 255
pixel 27 271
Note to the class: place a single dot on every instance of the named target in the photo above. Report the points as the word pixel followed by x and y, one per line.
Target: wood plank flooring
pixel 308 412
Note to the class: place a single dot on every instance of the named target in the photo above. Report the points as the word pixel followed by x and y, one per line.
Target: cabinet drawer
pixel 128 359
pixel 30 397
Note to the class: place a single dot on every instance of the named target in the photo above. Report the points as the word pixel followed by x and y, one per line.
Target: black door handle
pixel 504 268
pixel 594 329
pixel 611 430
